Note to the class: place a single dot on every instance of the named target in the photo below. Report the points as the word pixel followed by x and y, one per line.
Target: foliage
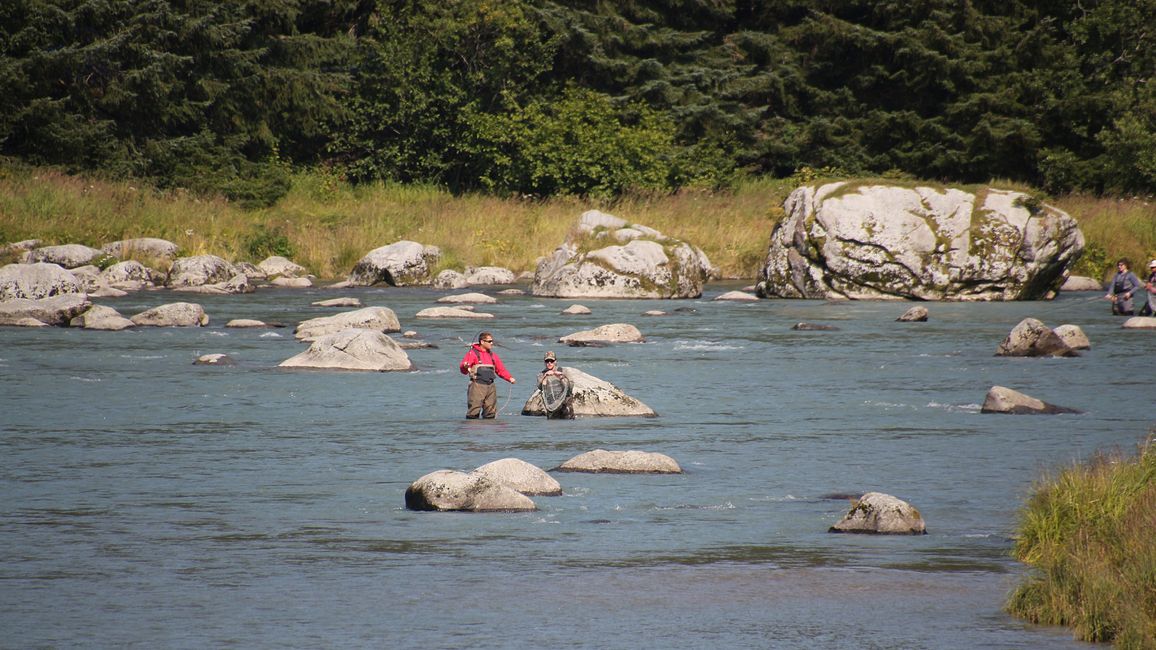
pixel 196 94
pixel 1086 532
pixel 578 144
pixel 228 97
pixel 263 242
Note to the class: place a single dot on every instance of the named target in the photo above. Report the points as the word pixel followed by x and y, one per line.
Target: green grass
pixel 327 225
pixel 1087 533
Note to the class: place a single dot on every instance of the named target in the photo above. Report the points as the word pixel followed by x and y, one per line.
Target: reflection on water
pixel 153 503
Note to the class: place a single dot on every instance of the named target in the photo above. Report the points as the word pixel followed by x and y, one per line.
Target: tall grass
pixel 1087 532
pixel 1114 229
pixel 327 224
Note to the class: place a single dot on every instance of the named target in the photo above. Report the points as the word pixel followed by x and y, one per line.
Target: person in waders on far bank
pixel 482 364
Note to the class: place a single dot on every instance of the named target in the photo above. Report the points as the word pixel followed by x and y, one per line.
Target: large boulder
pixel 380 319
pixel 1031 338
pixel 1001 399
pixel 69 256
pixel 37 280
pixel 601 461
pixel 176 314
pixel 592 397
pixel 450 490
pixel 843 240
pixel 199 270
pixel 53 310
pixel 150 248
pixel 352 349
pixel 399 264
pixel 882 514
pixel 528 479
pixel 611 258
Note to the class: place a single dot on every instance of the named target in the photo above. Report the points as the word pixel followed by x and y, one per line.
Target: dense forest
pixel 583 97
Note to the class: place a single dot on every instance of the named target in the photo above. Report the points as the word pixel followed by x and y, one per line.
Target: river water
pixel 151 503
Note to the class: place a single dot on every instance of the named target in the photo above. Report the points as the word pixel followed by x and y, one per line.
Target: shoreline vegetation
pixel 326 224
pixel 1087 533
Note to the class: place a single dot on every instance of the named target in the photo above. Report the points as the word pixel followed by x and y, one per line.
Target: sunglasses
pixel 550 361
pixel 488 341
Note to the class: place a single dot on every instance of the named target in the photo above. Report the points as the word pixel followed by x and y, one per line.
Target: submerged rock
pixel 381 319
pixel 917 314
pixel 451 490
pixel 1005 400
pixel 612 333
pixel 1031 338
pixel 881 514
pixel 601 461
pixel 352 349
pixel 177 314
pixel 522 476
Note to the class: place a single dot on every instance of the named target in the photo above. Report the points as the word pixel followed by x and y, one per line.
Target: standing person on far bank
pixel 1150 308
pixel 1124 284
pixel 482 365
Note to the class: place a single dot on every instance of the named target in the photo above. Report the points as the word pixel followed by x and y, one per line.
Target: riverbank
pixel 326 225
pixel 1087 533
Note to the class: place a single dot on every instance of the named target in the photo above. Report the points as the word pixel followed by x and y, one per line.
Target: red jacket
pixel 477 355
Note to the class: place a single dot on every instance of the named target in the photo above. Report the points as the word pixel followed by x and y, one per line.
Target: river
pixel 152 503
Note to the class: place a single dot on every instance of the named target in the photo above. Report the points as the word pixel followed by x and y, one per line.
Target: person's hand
pixel 513 381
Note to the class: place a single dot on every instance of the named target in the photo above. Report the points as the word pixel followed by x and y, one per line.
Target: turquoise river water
pixel 151 503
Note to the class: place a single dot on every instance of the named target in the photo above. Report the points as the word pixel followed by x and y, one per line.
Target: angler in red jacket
pixel 482 364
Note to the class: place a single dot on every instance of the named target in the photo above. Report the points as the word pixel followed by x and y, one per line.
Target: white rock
pixel 880 513
pixel 177 314
pixel 352 349
pixel 522 476
pixel 592 397
pixel 451 312
pixel 476 298
pixel 449 490
pixel 612 333
pixel 381 319
pixel 601 461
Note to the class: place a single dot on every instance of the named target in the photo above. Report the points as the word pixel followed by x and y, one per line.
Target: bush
pixel 578 145
pixel 263 242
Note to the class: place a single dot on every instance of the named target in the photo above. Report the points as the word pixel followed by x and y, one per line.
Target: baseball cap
pixel 549 357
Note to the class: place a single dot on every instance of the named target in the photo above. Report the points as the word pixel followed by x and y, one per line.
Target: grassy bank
pixel 327 225
pixel 1087 532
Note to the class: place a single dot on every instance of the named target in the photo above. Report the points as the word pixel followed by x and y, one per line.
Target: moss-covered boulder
pixel 611 258
pixel 864 241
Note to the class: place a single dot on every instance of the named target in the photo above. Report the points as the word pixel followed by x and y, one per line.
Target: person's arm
pixel 500 369
pixel 467 361
pixel 1134 283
